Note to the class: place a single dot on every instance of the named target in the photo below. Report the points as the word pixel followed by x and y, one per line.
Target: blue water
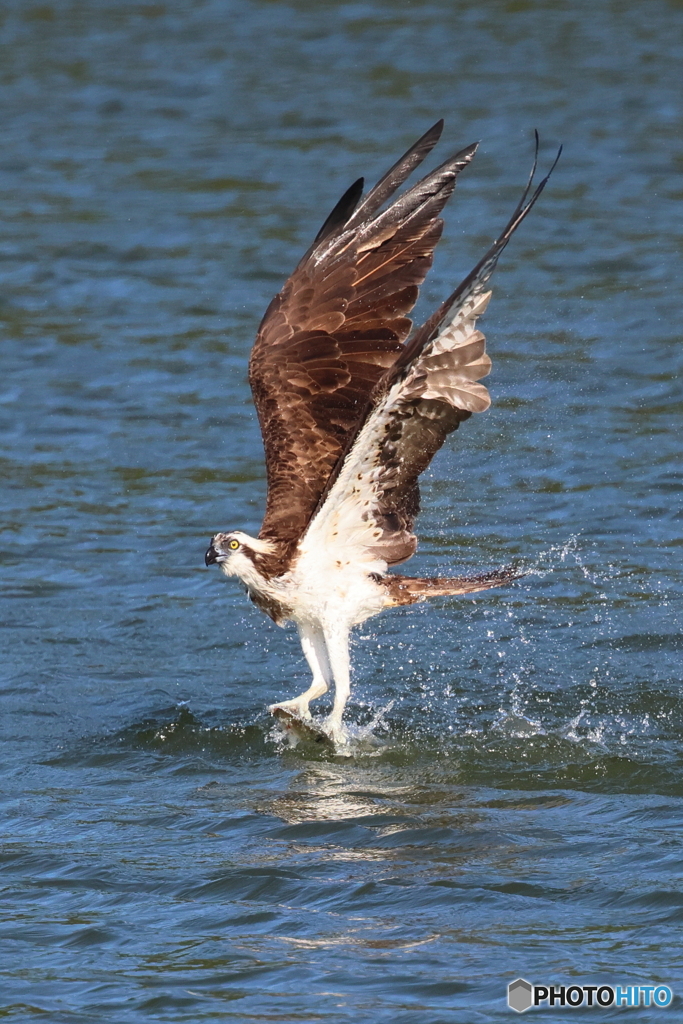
pixel 164 857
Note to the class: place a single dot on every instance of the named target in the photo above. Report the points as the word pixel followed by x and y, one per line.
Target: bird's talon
pixel 337 733
pixel 293 707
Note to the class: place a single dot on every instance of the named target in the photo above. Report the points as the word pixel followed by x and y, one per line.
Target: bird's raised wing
pixel 367 511
pixel 335 329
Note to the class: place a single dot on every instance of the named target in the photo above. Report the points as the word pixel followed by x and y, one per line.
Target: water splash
pixel 360 738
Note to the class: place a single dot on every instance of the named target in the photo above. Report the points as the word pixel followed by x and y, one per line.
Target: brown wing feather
pixel 335 329
pixel 439 392
pixel 371 497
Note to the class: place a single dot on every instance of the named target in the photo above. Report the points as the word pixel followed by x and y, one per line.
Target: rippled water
pixel 164 858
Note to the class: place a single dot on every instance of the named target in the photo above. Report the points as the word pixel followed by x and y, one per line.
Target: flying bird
pixel 352 409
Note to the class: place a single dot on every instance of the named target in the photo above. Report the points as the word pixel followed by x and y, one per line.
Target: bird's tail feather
pixel 410 589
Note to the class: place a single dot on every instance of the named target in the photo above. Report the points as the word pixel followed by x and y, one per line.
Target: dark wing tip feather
pixel 341 212
pixel 397 174
pixel 482 271
pixel 524 205
pixel 439 182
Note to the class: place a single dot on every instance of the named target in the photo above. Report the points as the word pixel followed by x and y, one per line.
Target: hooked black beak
pixel 211 556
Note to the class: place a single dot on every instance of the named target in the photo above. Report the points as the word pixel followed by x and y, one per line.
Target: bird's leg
pixel 337 640
pixel 315 651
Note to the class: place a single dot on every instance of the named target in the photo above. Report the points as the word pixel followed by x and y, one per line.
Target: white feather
pixel 343 532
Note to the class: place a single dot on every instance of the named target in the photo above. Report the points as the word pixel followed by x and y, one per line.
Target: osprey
pixel 352 410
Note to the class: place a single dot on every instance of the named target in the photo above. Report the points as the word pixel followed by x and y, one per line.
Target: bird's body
pixel 352 411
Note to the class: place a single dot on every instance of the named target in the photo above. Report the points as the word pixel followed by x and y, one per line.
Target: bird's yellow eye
pixel 234 544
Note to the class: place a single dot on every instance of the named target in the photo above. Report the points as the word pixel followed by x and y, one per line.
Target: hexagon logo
pixel 519 995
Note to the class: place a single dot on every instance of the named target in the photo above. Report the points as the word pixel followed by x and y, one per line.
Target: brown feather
pixel 439 390
pixel 330 349
pixel 334 331
pixel 410 590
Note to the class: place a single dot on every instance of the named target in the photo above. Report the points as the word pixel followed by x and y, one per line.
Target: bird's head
pixel 236 552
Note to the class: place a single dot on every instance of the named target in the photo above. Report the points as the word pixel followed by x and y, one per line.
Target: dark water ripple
pixel 518 812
